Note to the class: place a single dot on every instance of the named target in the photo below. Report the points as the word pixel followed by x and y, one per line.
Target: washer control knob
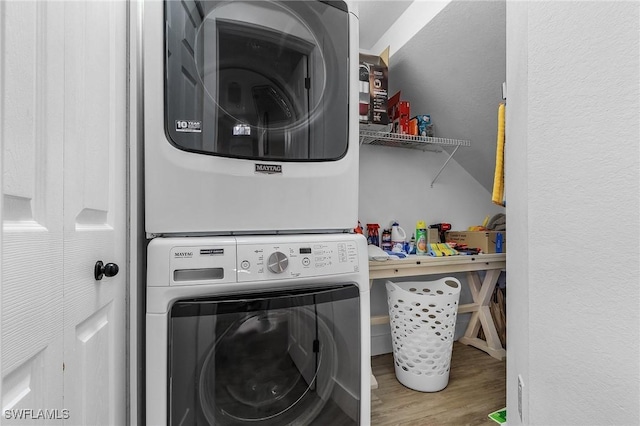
pixel 278 262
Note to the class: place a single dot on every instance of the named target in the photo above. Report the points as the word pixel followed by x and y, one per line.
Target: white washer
pixel 250 116
pixel 261 330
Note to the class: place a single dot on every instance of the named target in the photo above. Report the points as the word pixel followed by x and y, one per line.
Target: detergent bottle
pixel 421 238
pixel 398 236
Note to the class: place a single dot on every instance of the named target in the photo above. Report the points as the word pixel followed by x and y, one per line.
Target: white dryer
pixel 260 331
pixel 251 120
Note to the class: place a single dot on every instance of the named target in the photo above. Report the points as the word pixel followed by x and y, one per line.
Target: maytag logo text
pixel 183 254
pixel 268 168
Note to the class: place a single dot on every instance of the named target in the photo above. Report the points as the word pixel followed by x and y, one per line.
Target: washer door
pixel 272 359
pixel 260 370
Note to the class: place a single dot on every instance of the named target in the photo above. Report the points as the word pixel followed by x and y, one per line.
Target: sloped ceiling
pixel 376 16
pixel 453 69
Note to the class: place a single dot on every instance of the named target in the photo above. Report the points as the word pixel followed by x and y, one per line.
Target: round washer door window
pixel 271 367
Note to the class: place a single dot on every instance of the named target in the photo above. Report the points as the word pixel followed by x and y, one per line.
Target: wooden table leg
pixel 481 315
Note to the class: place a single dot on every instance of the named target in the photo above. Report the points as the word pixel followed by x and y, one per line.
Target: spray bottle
pixel 412 245
pixel 421 238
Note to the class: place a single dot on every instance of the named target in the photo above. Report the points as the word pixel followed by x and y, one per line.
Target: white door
pixel 64 140
pixel 32 272
pixel 94 211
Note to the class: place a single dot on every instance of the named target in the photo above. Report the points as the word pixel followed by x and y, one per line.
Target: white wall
pixel 395 185
pixel 572 183
pixel 516 191
pixel 395 182
pixel 406 26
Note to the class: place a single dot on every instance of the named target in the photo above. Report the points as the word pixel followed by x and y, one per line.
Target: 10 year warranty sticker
pixel 189 126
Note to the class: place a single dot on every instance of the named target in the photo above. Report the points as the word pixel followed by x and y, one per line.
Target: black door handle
pixel 100 270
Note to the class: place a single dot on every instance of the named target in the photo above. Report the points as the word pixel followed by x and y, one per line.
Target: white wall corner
pixel 417 15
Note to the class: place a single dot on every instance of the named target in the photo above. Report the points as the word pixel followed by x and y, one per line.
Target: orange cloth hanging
pixel 498 179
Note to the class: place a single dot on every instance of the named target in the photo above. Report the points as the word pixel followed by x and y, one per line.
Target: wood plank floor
pixel 477 387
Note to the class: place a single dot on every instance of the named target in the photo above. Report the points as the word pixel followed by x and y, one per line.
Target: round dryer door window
pixel 264 80
pixel 272 367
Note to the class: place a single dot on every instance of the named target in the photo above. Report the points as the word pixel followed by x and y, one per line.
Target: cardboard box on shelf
pixel 432 236
pixel 377 68
pixel 392 104
pixel 399 112
pixel 413 126
pixel 484 240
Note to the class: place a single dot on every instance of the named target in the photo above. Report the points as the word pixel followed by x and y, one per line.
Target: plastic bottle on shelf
pixel 412 245
pixel 398 236
pixel 386 240
pixel 372 234
pixel 421 238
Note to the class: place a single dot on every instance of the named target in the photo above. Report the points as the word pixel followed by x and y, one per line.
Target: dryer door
pixel 265 80
pixel 279 358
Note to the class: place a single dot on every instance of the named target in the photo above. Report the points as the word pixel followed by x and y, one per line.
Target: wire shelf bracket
pixel 422 143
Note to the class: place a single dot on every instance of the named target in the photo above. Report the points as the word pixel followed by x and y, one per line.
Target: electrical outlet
pixel 520 390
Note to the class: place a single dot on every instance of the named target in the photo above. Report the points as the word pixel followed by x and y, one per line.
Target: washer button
pixel 306 261
pixel 245 264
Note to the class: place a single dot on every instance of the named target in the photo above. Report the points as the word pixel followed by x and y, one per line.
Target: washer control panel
pixel 257 262
pixel 212 260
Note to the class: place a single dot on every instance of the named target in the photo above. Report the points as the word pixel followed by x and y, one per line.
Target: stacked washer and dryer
pixel 257 307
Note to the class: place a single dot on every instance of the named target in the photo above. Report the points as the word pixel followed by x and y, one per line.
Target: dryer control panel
pixel 270 261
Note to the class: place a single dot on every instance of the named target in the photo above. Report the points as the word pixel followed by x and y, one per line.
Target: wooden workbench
pixel 481 291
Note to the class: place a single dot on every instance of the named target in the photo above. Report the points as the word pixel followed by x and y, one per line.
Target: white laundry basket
pixel 422 315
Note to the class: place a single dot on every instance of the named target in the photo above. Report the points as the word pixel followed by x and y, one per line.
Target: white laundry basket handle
pixel 422 315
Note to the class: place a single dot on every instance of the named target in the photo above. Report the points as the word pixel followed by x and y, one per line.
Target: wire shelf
pixel 424 143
